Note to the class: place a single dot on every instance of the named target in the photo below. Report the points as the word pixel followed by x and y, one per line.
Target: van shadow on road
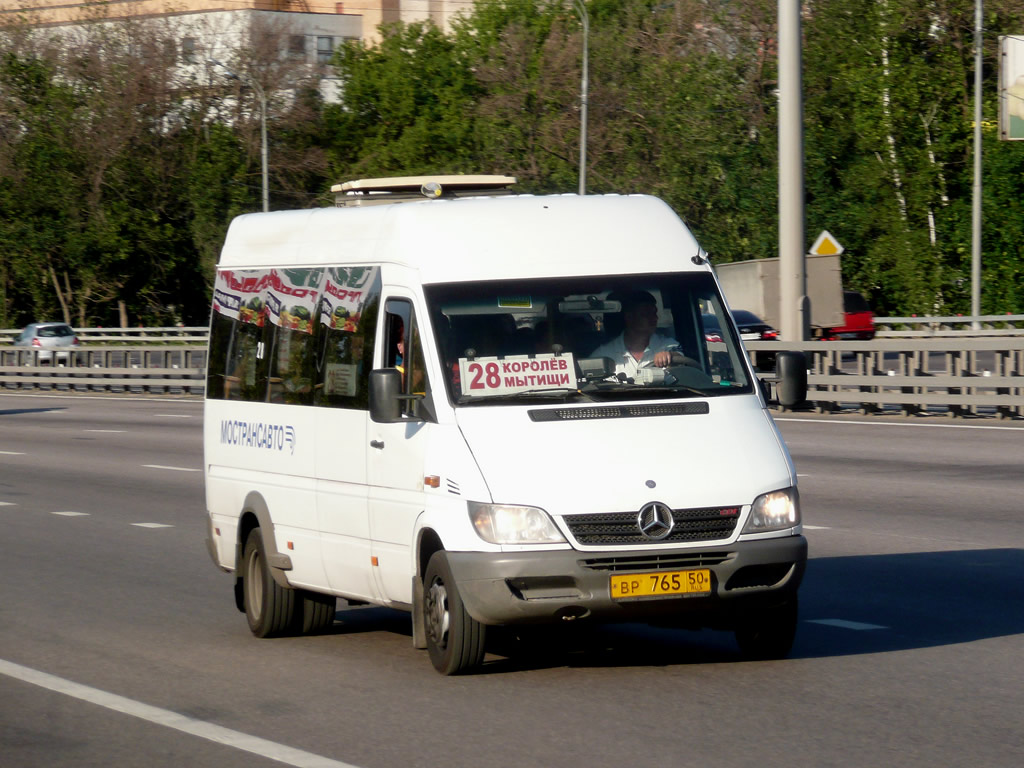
pixel 870 604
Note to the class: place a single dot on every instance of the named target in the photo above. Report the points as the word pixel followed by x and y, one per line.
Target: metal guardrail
pixel 191 334
pixel 164 370
pixel 956 376
pixel 926 326
pixel 960 377
pixel 885 327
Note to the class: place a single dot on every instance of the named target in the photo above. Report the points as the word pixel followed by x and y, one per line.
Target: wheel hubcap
pixel 437 613
pixel 254 584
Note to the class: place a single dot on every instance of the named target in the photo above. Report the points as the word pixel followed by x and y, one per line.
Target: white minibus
pixel 492 409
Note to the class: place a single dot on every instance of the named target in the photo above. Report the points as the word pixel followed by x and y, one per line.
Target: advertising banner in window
pixel 291 298
pixel 345 291
pixel 239 294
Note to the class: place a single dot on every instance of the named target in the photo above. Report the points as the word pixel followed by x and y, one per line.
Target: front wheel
pixel 455 640
pixel 769 632
pixel 314 612
pixel 269 607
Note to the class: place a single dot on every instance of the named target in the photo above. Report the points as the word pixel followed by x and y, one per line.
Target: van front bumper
pixel 548 586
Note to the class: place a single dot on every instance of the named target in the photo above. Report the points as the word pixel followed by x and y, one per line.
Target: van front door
pixel 396 457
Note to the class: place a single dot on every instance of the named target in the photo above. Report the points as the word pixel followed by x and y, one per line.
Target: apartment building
pixel 365 15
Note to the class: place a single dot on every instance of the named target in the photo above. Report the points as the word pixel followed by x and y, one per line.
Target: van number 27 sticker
pixel 483 376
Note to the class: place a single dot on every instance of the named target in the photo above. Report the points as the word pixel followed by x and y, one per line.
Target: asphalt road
pixel 120 644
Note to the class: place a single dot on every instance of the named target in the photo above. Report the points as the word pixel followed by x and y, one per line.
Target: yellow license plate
pixel 627 585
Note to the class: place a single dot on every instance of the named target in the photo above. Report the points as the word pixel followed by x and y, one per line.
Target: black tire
pixel 455 640
pixel 769 633
pixel 314 612
pixel 269 607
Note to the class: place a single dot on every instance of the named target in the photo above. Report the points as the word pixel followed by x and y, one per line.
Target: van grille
pixel 618 528
pixel 620 411
pixel 659 562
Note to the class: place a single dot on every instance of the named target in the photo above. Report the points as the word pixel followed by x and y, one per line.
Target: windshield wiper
pixel 639 390
pixel 526 394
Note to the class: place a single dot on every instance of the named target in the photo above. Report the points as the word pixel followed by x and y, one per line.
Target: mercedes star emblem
pixel 655 520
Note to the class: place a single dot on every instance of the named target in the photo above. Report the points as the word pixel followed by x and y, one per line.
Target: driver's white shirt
pixel 624 360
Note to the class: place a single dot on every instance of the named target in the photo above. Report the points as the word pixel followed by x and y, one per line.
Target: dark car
pixel 751 328
pixel 54 341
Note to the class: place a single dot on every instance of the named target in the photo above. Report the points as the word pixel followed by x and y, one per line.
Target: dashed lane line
pixel 152 525
pixel 108 431
pixel 71 514
pixel 165 717
pixel 12 453
pixel 173 469
pixel 901 424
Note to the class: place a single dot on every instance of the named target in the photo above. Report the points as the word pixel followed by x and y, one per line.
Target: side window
pixel 291 305
pixel 403 349
pixel 237 368
pixel 344 336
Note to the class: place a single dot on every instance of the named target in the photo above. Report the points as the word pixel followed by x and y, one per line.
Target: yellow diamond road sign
pixel 826 245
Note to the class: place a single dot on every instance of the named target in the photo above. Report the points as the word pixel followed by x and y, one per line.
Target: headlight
pixel 774 511
pixel 508 524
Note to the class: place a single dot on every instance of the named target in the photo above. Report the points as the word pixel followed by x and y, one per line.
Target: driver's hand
pixel 663 358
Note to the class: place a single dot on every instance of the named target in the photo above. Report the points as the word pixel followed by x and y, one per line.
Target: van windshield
pixel 596 338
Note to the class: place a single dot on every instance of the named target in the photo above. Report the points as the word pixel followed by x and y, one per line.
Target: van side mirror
pixel 385 392
pixel 791 376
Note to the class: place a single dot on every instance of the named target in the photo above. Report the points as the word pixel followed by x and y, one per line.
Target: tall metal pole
pixel 581 9
pixel 262 96
pixel 792 276
pixel 976 193
pixel 263 145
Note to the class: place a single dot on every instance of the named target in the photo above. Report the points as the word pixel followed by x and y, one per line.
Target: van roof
pixel 478 238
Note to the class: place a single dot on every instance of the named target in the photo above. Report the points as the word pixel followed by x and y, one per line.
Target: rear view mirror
pixel 791 375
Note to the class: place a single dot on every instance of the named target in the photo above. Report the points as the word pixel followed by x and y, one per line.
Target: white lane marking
pixel 152 525
pixel 107 430
pixel 165 717
pixel 900 424
pixel 7 504
pixel 174 415
pixel 817 528
pixel 71 514
pixel 173 469
pixel 844 624
pixel 198 400
pixel 11 453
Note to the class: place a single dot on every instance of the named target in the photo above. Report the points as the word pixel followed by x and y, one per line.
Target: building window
pixel 324 49
pixel 297 46
pixel 188 50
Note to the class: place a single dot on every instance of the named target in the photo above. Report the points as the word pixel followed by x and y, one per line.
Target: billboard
pixel 1011 87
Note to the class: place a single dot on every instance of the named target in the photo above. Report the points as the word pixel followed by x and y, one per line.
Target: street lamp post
pixel 262 96
pixel 581 9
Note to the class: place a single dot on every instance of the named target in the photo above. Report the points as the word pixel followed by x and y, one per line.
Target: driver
pixel 639 345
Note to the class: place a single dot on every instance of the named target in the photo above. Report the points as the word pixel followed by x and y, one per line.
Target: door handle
pixel 376 443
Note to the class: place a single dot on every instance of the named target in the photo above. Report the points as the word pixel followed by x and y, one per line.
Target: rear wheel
pixel 269 607
pixel 455 640
pixel 769 632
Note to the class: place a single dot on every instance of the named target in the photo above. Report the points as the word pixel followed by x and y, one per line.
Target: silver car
pixel 53 341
